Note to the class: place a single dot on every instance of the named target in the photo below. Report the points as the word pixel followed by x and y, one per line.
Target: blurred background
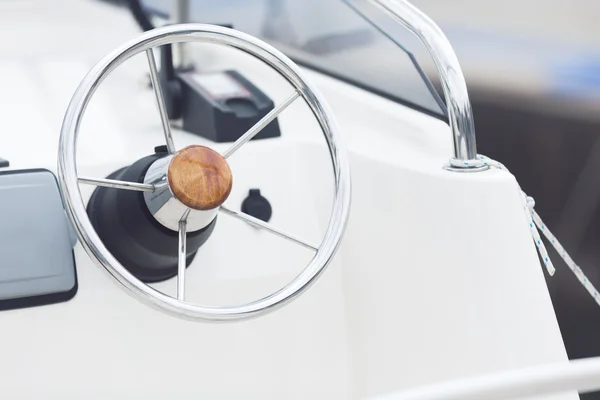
pixel 533 71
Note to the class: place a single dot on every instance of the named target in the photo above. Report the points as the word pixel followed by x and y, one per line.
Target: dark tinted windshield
pixel 329 36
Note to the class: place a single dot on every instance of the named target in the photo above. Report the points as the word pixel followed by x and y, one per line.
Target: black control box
pixel 221 106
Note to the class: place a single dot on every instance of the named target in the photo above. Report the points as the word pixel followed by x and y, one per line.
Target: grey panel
pixel 36 240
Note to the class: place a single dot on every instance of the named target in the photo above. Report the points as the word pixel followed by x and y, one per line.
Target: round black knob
pixel 257 206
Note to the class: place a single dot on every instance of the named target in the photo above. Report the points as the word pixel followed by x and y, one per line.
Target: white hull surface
pixel 437 276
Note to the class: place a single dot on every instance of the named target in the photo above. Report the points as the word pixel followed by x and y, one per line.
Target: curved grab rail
pixel 460 114
pixel 579 375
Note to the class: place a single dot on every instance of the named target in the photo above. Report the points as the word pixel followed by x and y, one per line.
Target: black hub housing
pixel 133 236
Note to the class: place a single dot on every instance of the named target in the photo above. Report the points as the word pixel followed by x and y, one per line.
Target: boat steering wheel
pixel 179 178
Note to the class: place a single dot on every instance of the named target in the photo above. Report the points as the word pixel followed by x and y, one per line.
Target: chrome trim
pixel 181 11
pixel 165 207
pixel 181 15
pixel 460 114
pixel 538 381
pixel 67 171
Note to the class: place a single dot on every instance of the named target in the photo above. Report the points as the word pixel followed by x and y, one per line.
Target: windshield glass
pixel 331 36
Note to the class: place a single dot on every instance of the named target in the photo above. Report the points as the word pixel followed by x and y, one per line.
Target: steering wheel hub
pixel 200 177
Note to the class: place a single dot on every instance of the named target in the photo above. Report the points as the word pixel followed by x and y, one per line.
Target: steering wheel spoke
pixel 257 223
pixel 260 125
pixel 182 256
pixel 116 184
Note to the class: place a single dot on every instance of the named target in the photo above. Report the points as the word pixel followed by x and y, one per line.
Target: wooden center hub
pixel 199 177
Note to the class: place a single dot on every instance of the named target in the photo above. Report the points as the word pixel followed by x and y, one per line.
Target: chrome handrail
pixel 582 375
pixel 460 114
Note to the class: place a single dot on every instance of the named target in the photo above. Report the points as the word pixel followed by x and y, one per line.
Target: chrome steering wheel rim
pixel 74 203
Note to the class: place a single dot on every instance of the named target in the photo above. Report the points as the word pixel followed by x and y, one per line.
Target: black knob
pixel 161 149
pixel 257 206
